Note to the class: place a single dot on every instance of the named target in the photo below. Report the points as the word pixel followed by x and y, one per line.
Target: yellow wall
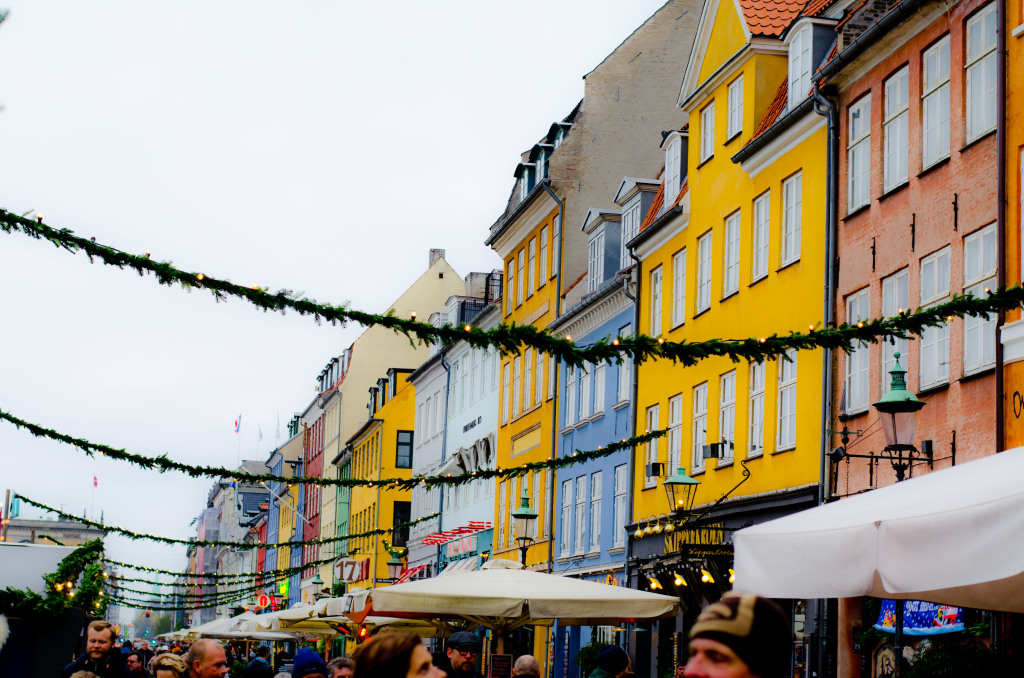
pixel 285 521
pixel 1013 374
pixel 727 38
pixel 374 456
pixel 786 300
pixel 526 436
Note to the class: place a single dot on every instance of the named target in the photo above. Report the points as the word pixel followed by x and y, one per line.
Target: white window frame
pixel 675 433
pixel 858 373
pixel 727 416
pixel 570 396
pixel 934 351
pixel 520 277
pixel 502 490
pixel 585 395
pixel 517 394
pixel 595 261
pixel 621 519
pixel 755 410
pixel 735 125
pixel 532 264
pixel 799 66
pixel 760 233
pixel 858 153
pixel 599 387
pixel 707 137
pixel 543 256
pixel 625 386
pixel 980 65
pixel 651 446
pixel 785 428
pixel 631 219
pixel 704 251
pixel 552 374
pixel 896 129
pixel 581 512
pixel 979 279
pixel 792 206
pixel 507 392
pixel 699 434
pixel 539 378
pixel 510 285
pixel 673 169
pixel 566 536
pixel 527 380
pixel 596 479
pixel 679 288
pixel 731 247
pixel 656 302
pixel 935 103
pixel 895 298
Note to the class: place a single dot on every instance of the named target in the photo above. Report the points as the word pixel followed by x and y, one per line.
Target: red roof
pixel 770 17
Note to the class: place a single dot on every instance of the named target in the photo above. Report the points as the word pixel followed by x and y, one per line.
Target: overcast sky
pixel 318 146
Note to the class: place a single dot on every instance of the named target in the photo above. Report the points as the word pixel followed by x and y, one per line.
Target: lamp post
pixel 898 410
pixel 526 525
pixel 395 567
pixel 680 490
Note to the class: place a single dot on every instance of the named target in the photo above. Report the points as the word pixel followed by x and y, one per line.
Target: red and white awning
pixel 410 573
pixel 472 527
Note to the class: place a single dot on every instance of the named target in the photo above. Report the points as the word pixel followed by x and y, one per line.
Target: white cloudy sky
pixel 319 146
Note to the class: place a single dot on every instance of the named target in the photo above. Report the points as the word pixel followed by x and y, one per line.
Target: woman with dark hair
pixel 393 655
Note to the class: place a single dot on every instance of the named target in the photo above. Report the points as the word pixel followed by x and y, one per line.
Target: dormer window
pixel 524 183
pixel 631 218
pixel 595 261
pixel 799 65
pixel 559 137
pixel 673 169
pixel 540 165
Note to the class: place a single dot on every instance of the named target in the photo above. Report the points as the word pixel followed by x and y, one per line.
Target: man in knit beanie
pixel 740 636
pixel 309 664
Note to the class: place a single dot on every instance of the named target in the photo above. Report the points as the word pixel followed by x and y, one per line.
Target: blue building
pixel 592 499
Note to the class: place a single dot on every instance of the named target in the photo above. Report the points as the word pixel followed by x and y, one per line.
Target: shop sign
pixel 350 570
pixel 685 540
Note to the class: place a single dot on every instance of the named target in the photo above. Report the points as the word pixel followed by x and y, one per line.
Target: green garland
pixel 186 595
pixel 512 338
pixel 141 604
pixel 288 571
pixel 216 542
pixel 162 463
pixel 81 567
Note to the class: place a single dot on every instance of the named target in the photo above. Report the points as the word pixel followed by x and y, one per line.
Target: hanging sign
pixel 921 618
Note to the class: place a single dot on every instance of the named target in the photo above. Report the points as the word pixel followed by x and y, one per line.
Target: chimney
pixel 435 254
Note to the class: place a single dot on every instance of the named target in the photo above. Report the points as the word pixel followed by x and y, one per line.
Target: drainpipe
pixel 1000 205
pixel 826 108
pixel 633 406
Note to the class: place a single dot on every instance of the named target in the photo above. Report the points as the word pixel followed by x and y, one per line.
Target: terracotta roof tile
pixel 770 17
pixel 652 214
pixel 775 110
pixel 682 191
pixel 815 7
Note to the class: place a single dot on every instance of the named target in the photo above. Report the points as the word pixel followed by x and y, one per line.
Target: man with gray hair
pixel 340 667
pixel 527 667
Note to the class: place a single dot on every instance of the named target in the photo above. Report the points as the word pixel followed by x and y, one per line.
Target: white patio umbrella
pixel 297 619
pixel 504 596
pixel 951 537
pixel 219 625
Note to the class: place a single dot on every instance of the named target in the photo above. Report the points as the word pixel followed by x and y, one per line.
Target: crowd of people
pixel 740 636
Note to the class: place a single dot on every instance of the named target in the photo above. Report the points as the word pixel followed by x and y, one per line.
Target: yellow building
pixel 734 246
pixel 382 448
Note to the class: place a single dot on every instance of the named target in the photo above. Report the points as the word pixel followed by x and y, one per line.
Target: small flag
pixel 95 481
pixel 259 433
pixel 277 436
pixel 238 424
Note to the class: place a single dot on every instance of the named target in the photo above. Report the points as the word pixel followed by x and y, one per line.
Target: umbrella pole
pixel 897 643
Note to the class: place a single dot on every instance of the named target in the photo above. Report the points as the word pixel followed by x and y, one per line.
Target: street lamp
pixel 395 567
pixel 681 490
pixel 898 410
pixel 526 525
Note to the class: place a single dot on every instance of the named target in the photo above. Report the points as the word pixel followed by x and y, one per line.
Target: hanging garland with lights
pixel 512 338
pixel 117 589
pixel 241 545
pixel 142 604
pixel 162 463
pixel 288 571
pixel 78 567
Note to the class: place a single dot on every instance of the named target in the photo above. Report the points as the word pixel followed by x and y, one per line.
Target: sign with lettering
pixel 350 570
pixel 461 546
pixel 686 540
pixel 500 666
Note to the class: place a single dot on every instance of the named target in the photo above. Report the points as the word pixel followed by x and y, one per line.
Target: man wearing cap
pixel 740 636
pixel 612 662
pixel 463 649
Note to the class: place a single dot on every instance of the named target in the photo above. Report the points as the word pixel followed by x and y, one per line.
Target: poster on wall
pixel 921 618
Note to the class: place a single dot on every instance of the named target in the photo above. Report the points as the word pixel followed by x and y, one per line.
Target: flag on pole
pixel 259 433
pixel 238 424
pixel 277 436
pixel 95 481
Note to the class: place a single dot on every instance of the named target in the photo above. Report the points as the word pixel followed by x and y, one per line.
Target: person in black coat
pixel 260 666
pixel 100 655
